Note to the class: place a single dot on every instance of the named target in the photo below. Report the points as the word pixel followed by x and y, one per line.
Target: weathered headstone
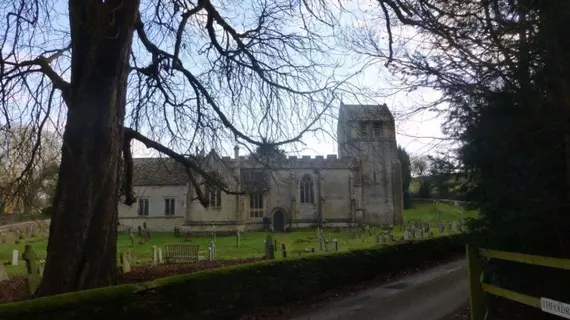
pixel 421 234
pixel 238 239
pixel 147 235
pixel 448 227
pixel 141 235
pixel 33 279
pixel 130 257
pixel 458 226
pixel 406 235
pixel 330 237
pixel 431 234
pixel 335 245
pixel 154 255
pixel 125 263
pixel 390 238
pixel 382 240
pixel 15 257
pixel 284 250
pixel 212 251
pixel 3 274
pixel 377 239
pixel 441 228
pixel 132 236
pixel 270 245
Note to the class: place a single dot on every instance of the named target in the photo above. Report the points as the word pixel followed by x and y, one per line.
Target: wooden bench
pixel 182 252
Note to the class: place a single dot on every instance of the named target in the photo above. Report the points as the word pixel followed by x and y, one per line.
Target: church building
pixel 362 184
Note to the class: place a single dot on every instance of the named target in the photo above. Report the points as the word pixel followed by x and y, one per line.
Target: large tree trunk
pixel 82 244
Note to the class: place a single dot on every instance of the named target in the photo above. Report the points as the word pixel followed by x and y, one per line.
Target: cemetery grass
pixel 297 242
pixel 434 213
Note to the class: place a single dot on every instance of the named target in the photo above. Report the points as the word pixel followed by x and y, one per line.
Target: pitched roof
pixel 158 172
pixel 365 112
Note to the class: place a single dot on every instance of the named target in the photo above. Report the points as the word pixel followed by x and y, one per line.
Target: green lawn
pixel 252 243
pixel 430 212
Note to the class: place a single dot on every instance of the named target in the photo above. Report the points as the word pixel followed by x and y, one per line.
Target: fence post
pixel 475 267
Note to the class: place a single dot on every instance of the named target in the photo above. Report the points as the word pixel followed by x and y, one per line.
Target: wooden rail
pixel 476 261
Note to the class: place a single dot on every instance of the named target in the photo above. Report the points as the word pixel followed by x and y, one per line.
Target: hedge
pixel 228 292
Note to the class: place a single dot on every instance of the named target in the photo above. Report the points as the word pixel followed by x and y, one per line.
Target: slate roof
pixel 365 112
pixel 158 172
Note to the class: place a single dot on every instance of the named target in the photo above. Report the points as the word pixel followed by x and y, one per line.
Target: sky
pixel 419 133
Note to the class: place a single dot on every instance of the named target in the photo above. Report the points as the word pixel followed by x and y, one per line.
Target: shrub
pixel 228 292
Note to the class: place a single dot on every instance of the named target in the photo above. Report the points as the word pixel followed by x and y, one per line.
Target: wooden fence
pixel 476 260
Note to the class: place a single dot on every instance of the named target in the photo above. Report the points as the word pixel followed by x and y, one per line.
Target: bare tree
pixel 27 170
pixel 170 75
pixel 419 165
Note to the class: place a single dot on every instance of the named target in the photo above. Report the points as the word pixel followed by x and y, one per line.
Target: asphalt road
pixel 429 295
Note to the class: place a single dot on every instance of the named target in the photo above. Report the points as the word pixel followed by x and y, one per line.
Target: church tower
pixel 367 134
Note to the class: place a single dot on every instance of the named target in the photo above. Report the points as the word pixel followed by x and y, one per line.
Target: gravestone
pixel 141 236
pixel 431 234
pixel 406 235
pixel 390 238
pixel 125 263
pixel 132 236
pixel 269 247
pixel 3 274
pixel 321 242
pixel 330 237
pixel 34 278
pixel 377 239
pixel 212 251
pixel 130 257
pixel 154 255
pixel 382 240
pixel 441 228
pixel 421 234
pixel 238 239
pixel 15 257
pixel 147 234
pixel 2 238
pixel 458 227
pixel 335 245
pixel 448 227
pixel 284 250
pixel 326 246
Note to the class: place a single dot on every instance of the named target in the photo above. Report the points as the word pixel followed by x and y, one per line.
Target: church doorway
pixel 279 220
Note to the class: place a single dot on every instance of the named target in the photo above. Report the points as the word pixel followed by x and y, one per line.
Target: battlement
pixel 304 161
pixel 315 158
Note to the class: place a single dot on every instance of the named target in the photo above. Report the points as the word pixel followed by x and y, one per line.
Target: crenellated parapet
pixel 331 161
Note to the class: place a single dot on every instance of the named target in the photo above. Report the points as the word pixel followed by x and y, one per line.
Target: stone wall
pixel 156 224
pixel 22 226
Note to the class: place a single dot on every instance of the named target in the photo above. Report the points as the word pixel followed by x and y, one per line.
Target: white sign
pixel 555 307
